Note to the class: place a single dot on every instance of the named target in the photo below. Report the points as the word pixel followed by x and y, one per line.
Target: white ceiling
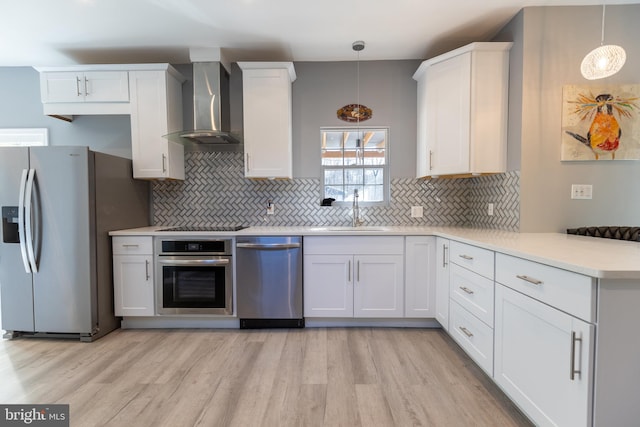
pixel 60 32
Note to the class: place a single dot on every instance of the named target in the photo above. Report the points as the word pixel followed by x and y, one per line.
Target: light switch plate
pixel 581 191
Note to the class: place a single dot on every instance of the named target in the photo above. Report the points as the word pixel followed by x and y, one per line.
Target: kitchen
pixel 548 41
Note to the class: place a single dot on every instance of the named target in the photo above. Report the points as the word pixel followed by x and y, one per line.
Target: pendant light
pixel 603 61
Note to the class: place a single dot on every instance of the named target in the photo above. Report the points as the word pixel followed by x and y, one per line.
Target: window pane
pixel 374 176
pixel 373 193
pixel 334 191
pixel 348 197
pixel 331 157
pixel 354 176
pixel 333 176
pixel 332 140
pixel 374 157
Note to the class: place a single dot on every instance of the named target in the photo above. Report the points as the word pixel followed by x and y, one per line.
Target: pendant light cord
pixel 602 36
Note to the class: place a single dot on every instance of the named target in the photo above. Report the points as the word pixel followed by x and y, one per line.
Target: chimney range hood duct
pixel 211 108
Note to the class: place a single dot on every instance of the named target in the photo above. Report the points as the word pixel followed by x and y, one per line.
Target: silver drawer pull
pixel 529 279
pixel 130 246
pixel 465 331
pixel 467 290
pixel 467 257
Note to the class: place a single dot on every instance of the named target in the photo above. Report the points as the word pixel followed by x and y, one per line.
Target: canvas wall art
pixel 600 122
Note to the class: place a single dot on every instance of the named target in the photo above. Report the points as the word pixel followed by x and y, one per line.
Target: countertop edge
pixel 579 254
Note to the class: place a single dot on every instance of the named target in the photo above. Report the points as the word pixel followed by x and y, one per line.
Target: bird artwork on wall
pixel 600 122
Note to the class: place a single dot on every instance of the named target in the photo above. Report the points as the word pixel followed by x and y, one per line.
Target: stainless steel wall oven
pixel 194 276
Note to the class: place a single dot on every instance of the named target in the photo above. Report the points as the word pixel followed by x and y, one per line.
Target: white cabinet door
pixel 462 111
pixel 420 277
pixel 328 285
pixel 448 101
pixel 442 282
pixel 156 110
pixel 133 285
pixel 543 359
pixel 378 286
pixel 267 120
pixel 90 86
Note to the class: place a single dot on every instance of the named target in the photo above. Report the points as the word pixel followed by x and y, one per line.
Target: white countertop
pixel 596 257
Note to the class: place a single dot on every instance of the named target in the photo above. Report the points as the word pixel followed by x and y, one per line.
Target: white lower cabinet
pixel 543 359
pixel 354 277
pixel 133 276
pixel 475 337
pixel 420 277
pixel 442 282
pixel 328 285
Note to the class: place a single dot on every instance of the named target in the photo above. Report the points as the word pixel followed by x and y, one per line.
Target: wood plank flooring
pixel 301 377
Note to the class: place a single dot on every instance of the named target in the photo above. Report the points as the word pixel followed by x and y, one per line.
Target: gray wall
pixel 322 88
pixel 20 107
pixel 553 41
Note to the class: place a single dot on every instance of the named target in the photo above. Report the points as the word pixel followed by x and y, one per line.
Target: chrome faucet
pixel 356 221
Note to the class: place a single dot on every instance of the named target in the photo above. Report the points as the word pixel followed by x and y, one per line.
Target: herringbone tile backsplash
pixel 215 192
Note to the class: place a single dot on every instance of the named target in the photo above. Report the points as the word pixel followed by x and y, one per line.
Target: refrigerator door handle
pixel 28 210
pixel 21 232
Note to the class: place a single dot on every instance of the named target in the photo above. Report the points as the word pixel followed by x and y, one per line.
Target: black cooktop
pixel 206 228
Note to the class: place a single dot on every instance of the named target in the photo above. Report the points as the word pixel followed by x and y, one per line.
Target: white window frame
pixel 23 137
pixel 386 167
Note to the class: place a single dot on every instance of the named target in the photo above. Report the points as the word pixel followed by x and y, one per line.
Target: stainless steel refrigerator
pixel 58 205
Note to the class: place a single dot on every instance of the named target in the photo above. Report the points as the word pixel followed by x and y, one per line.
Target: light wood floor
pixel 305 377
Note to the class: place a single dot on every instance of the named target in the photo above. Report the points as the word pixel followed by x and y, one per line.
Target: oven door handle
pixel 194 261
pixel 268 245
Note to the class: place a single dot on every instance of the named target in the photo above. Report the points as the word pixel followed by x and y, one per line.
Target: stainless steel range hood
pixel 211 109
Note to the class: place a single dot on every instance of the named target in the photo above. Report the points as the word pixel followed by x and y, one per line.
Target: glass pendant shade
pixel 603 61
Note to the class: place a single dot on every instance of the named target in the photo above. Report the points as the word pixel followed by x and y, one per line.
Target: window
pixel 355 158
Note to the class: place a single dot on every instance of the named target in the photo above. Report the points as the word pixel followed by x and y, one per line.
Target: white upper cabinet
pixel 150 93
pixel 156 110
pixel 266 94
pixel 76 90
pixel 462 111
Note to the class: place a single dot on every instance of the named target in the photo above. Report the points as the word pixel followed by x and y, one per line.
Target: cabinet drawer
pixel 132 245
pixel 473 335
pixel 570 292
pixel 474 258
pixel 345 245
pixel 473 292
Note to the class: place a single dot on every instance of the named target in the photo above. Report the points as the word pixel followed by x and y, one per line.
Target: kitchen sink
pixel 350 229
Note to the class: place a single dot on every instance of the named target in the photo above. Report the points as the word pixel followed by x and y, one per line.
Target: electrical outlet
pixel 490 209
pixel 417 211
pixel 581 191
pixel 271 208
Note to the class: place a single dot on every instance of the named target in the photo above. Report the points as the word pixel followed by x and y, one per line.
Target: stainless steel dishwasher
pixel 269 282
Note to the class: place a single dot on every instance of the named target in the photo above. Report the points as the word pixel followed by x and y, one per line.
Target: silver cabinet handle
pixel 86 86
pixel 467 290
pixel 529 279
pixel 194 261
pixel 164 163
pixel 268 245
pixel 430 160
pixel 78 92
pixel 467 257
pixel 465 331
pixel 146 269
pixel 444 255
pixel 248 165
pixel 573 370
pixel 349 272
pixel 358 271
pixel 130 246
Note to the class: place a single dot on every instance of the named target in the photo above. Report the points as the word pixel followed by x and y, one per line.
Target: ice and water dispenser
pixel 10 224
